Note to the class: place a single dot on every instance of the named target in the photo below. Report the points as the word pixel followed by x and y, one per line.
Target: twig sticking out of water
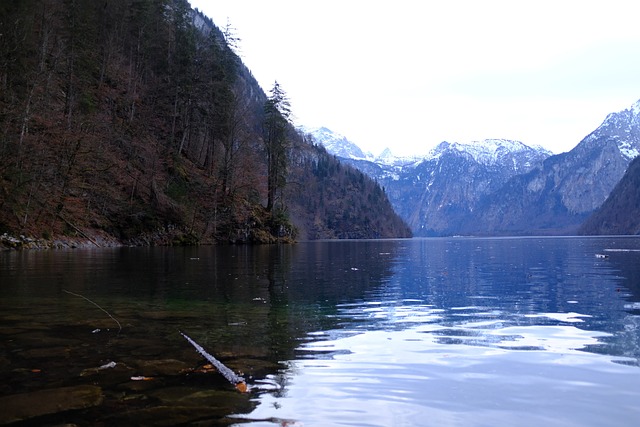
pixel 231 376
pixel 85 298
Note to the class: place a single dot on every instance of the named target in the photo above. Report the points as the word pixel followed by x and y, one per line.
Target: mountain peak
pixel 334 142
pixel 622 127
pixel 386 154
pixel 632 113
pixel 489 151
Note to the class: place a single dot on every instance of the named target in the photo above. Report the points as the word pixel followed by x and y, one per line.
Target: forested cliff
pixel 133 121
pixel 620 213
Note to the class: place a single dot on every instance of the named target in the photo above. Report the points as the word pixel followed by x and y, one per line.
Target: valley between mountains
pixel 501 187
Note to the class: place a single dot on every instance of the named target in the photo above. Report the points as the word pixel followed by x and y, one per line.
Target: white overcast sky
pixel 408 74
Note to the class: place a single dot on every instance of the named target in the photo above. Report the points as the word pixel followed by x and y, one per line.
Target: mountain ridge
pixel 456 188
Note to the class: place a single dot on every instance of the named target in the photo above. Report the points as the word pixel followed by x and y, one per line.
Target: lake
pixel 419 332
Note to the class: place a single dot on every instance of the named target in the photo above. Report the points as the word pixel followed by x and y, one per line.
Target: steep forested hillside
pixel 344 202
pixel 134 121
pixel 620 213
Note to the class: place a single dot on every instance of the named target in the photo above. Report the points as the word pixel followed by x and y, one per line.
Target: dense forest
pixel 134 121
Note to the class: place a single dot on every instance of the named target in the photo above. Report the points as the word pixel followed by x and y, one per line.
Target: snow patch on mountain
pixel 635 108
pixel 487 152
pixel 628 151
pixel 623 127
pixel 386 155
pixel 340 146
pixel 335 143
pixel 387 158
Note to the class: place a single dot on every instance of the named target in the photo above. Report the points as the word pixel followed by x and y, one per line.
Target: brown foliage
pixel 122 118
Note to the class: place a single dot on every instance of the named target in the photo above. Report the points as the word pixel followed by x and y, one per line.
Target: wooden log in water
pixel 231 376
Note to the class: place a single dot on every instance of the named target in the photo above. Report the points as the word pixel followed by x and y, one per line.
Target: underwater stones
pixel 254 367
pixel 40 339
pixel 4 362
pixel 166 416
pixel 46 353
pixel 165 367
pixel 188 396
pixel 167 315
pixel 184 405
pixel 109 374
pixel 142 347
pixel 25 406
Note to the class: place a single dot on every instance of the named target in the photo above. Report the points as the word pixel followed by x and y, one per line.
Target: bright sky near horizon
pixel 408 74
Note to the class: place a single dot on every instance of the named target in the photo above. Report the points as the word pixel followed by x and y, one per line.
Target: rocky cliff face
pixel 556 197
pixel 438 195
pixel 620 213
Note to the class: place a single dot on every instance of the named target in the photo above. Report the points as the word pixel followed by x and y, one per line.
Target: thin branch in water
pixel 108 314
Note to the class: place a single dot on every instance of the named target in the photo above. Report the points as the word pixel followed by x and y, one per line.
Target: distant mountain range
pixel 558 196
pixel 340 146
pixel 497 186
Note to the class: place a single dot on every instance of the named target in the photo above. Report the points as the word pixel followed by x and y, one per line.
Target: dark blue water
pixel 442 332
pixel 473 332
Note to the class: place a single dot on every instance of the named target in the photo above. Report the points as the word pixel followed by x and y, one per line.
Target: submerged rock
pixel 197 397
pixel 168 416
pixel 25 406
pixel 164 367
pixel 109 374
pixel 187 405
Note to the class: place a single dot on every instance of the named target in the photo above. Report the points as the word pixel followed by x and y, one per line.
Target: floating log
pixel 231 376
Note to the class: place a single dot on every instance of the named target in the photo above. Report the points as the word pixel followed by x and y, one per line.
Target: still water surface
pixel 427 332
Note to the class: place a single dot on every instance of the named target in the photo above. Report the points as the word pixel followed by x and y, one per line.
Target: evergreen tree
pixel 277 111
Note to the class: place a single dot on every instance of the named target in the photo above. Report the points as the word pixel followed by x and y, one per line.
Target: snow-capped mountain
pixel 386 156
pixel 436 195
pixel 340 146
pixel 622 128
pixel 434 191
pixel 494 152
pixel 558 196
pixel 335 143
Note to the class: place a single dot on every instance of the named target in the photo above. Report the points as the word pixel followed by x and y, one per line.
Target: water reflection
pixel 474 332
pixel 459 331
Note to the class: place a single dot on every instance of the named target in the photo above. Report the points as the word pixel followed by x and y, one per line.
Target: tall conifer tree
pixel 277 111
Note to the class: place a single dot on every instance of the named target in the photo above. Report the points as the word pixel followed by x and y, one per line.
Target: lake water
pixel 420 332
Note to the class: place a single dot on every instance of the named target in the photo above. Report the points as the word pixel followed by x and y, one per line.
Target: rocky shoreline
pixel 21 242
pixel 169 236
